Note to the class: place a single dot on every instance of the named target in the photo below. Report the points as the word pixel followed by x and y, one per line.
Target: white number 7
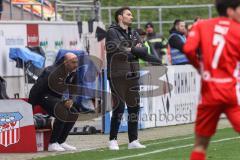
pixel 219 41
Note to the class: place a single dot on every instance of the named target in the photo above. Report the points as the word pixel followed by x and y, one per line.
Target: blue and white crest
pixel 9 117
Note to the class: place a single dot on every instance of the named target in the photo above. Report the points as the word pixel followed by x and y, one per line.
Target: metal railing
pixel 76 8
pixel 21 5
pixel 160 10
pixel 74 11
pixel 73 8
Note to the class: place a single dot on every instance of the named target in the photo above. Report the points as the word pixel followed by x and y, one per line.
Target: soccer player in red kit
pixel 218 40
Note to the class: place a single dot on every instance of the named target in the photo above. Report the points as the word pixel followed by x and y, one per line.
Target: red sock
pixel 197 156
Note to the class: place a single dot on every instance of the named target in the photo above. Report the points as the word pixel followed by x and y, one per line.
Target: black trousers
pixel 64 118
pixel 125 90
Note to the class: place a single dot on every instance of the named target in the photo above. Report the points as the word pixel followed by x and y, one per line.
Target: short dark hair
pixel 120 12
pixel 176 22
pixel 223 5
pixel 149 24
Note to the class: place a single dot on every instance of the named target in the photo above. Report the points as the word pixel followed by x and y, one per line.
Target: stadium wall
pixel 51 36
pixel 169 96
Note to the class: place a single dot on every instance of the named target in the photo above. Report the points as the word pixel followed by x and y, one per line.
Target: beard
pixel 127 23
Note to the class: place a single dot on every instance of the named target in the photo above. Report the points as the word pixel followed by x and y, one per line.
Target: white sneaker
pixel 113 145
pixel 55 147
pixel 67 147
pixel 135 144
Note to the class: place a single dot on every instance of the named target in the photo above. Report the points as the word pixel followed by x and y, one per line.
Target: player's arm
pixel 192 45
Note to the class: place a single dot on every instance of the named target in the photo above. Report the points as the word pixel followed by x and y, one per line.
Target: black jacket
pixel 175 41
pixel 53 81
pixel 119 61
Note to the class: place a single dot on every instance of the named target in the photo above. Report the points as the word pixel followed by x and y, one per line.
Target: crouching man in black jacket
pixel 48 92
pixel 124 48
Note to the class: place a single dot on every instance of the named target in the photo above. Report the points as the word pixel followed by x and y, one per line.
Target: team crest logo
pixel 10 128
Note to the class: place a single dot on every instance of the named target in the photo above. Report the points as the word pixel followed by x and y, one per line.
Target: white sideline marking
pixel 167 141
pixel 170 148
pixel 171 140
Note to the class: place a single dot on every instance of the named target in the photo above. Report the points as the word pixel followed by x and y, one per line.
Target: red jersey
pixel 219 42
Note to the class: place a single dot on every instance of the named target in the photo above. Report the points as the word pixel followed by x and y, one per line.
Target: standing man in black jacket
pixel 48 92
pixel 123 50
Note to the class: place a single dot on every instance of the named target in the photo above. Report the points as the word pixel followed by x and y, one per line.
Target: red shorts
pixel 208 117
